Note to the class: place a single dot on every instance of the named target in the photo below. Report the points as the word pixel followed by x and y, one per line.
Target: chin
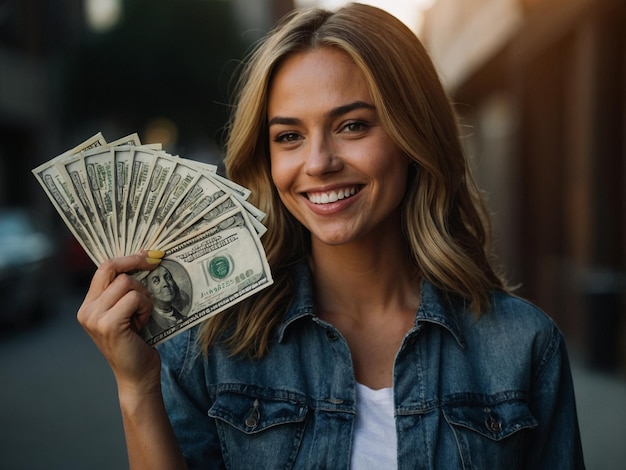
pixel 332 239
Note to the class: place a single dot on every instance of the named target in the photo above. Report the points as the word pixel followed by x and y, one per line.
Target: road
pixel 58 405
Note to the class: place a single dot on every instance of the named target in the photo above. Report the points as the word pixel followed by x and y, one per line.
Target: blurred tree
pixel 164 59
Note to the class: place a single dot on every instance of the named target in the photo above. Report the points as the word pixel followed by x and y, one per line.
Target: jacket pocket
pixel 488 434
pixel 260 428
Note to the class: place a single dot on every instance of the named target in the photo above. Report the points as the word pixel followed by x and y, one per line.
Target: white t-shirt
pixel 374 444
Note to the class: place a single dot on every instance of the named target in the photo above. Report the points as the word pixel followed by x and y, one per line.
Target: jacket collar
pixel 436 306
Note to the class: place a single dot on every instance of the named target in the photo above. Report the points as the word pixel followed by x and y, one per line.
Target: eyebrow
pixel 333 113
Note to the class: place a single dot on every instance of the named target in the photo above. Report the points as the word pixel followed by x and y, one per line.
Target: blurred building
pixel 69 69
pixel 541 89
pixel 31 36
pixel 256 18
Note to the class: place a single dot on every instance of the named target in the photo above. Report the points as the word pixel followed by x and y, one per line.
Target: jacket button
pixel 331 335
pixel 253 418
pixel 491 423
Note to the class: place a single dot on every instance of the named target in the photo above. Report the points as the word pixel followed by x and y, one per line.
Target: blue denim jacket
pixel 493 393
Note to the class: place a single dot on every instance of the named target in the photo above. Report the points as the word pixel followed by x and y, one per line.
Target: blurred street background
pixel 540 88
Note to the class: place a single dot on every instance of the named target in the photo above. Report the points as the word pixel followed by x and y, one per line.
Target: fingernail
pixel 153 260
pixel 156 254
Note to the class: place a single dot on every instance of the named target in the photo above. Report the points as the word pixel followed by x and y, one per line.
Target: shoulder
pixel 514 330
pixel 508 317
pixel 508 347
pixel 516 315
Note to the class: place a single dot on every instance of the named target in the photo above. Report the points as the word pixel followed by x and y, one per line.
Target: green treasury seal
pixel 220 267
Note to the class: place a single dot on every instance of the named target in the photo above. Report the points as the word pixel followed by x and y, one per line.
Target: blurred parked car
pixel 77 265
pixel 26 258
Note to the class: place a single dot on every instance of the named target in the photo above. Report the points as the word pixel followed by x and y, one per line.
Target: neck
pixel 365 277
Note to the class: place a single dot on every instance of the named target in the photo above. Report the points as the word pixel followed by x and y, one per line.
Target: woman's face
pixel 334 166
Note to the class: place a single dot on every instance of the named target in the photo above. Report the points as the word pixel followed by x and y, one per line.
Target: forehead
pixel 324 77
pixel 158 271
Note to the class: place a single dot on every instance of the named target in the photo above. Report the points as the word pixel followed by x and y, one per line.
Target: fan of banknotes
pixel 123 197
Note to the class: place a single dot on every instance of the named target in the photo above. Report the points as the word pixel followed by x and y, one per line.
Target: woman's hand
pixel 115 308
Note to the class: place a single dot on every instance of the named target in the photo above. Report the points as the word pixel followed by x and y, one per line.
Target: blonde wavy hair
pixel 444 217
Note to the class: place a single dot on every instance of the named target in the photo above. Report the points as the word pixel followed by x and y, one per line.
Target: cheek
pixel 397 172
pixel 282 174
pixel 275 174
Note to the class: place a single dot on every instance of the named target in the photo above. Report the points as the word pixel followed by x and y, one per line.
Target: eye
pixel 355 127
pixel 287 137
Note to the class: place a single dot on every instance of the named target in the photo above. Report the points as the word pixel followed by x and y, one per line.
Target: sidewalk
pixel 601 404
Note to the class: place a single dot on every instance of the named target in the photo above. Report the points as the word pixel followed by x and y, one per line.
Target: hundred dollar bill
pixel 97 140
pixel 199 221
pixel 204 275
pixel 160 176
pixel 143 163
pixel 255 212
pixel 131 139
pixel 127 174
pixel 65 204
pixel 123 159
pixel 66 201
pixel 100 169
pixel 238 191
pixel 243 192
pixel 199 196
pixel 91 176
pixel 231 186
pixel 182 180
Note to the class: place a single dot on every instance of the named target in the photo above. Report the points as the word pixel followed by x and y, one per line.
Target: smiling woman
pixel 388 339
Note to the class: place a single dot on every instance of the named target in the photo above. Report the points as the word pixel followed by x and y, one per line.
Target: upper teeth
pixel 331 196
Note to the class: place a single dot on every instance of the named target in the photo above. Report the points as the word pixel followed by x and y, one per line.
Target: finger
pixel 117 319
pixel 120 286
pixel 118 289
pixel 110 269
pixel 142 314
pixel 133 310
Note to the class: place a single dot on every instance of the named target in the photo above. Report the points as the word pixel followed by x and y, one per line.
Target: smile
pixel 328 197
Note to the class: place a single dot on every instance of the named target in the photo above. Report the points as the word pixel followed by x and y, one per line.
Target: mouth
pixel 328 197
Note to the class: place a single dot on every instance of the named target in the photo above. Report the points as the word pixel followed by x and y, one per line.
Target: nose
pixel 322 157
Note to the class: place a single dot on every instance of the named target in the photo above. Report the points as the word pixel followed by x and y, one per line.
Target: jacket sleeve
pixel 187 402
pixel 555 443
